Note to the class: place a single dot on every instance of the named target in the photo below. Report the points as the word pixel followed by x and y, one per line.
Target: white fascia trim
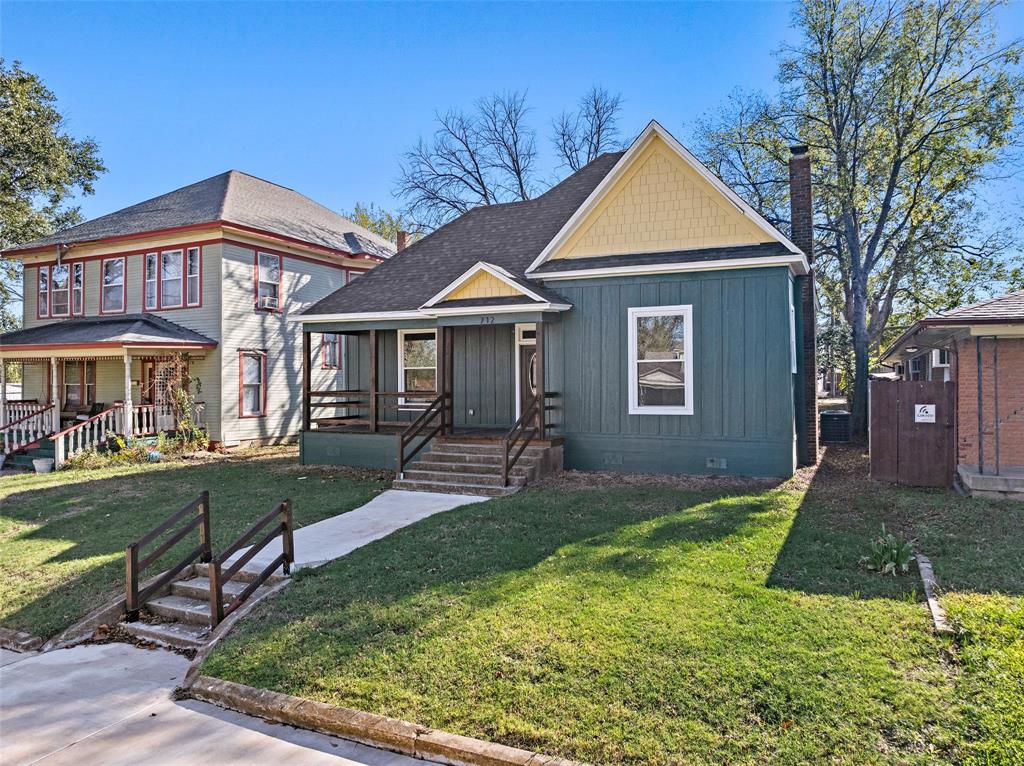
pixel 797 264
pixel 359 317
pixel 496 271
pixel 655 128
pixel 505 309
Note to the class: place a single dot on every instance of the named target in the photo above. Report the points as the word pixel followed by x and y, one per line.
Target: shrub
pixel 889 554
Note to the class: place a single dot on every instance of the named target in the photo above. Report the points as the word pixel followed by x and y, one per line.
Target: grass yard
pixel 62 535
pixel 661 624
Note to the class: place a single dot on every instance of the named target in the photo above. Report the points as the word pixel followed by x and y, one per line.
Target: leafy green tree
pixel 41 168
pixel 381 222
pixel 908 107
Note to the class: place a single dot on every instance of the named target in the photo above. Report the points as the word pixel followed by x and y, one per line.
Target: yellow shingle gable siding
pixel 660 204
pixel 483 285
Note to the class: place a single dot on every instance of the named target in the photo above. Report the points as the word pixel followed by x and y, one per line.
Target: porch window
pixel 330 349
pixel 112 296
pixel 917 368
pixel 192 266
pixel 268 281
pixel 417 364
pixel 43 301
pixel 661 360
pixel 170 279
pixel 151 280
pixel 253 384
pixel 79 383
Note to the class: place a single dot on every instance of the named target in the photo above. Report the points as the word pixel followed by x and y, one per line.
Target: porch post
pixel 306 355
pixel 542 413
pixel 450 378
pixel 442 375
pixel 128 417
pixel 3 391
pixel 373 381
pixel 54 394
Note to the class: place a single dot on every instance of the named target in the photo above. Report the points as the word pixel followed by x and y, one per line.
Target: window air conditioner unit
pixel 267 302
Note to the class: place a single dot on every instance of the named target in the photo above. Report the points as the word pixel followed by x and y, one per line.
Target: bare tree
pixel 581 136
pixel 477 158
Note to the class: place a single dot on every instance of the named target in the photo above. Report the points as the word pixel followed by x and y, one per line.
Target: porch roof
pixel 124 330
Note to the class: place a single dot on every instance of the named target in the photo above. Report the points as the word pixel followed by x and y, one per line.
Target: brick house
pixel 980 348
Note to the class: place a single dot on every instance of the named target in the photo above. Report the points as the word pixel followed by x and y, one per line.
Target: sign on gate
pixel 912 433
pixel 924 413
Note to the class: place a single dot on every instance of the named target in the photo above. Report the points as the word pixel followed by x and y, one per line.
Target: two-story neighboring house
pixel 212 270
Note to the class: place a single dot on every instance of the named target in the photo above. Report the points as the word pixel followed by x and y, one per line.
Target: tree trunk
pixel 859 328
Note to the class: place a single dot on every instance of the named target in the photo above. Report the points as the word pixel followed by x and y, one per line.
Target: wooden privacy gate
pixel 913 439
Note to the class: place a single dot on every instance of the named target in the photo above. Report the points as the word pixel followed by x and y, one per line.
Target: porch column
pixel 128 417
pixel 3 391
pixel 542 413
pixel 54 394
pixel 442 375
pixel 373 381
pixel 306 356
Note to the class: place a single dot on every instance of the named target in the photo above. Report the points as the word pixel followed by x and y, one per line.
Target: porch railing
pixel 91 433
pixel 16 409
pixel 369 406
pixel 149 419
pixel 33 425
pixel 429 424
pixel 518 438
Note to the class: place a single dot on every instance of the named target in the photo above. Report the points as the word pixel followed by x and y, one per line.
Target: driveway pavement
pixel 110 704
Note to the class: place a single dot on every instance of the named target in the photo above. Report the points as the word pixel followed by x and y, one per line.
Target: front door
pixel 527 375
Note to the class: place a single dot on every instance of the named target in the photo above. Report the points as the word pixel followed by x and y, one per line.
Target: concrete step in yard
pixel 492 479
pixel 176 635
pixel 449 488
pixel 181 609
pixel 198 588
pixel 430 464
pixel 244 576
pixel 476 458
pixel 479 448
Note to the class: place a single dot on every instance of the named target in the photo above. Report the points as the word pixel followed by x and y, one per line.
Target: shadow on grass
pixel 70 559
pixel 974 544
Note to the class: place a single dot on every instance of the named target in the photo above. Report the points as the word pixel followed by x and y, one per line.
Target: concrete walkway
pixel 334 537
pixel 110 704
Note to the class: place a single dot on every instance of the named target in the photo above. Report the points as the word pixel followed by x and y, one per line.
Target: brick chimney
pixel 402 239
pixel 802 235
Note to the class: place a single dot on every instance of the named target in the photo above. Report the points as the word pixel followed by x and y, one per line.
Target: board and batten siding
pixel 743 387
pixel 244 328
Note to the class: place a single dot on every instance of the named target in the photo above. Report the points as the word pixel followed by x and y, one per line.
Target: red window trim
pixel 242 353
pixel 124 285
pixel 83 387
pixel 72 267
pixel 256 281
pixel 323 350
pixel 183 248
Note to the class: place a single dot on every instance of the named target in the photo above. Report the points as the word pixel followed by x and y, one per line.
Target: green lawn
pixel 62 535
pixel 658 625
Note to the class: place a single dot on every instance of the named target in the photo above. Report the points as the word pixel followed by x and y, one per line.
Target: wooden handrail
pixel 32 427
pixel 378 394
pixel 136 596
pixel 220 576
pixel 532 412
pixel 35 414
pixel 437 407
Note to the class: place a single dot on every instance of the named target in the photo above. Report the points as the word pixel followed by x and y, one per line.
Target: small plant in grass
pixel 889 554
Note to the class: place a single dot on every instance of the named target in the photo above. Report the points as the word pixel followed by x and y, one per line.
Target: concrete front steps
pixel 473 467
pixel 183 615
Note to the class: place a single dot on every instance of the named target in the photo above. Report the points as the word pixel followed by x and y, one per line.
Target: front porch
pixel 411 387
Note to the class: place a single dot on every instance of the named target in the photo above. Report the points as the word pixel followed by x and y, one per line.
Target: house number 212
pixel 486 320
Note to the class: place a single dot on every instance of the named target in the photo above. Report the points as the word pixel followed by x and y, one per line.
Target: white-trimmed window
pixel 661 360
pixel 268 281
pixel 60 290
pixel 170 279
pixel 252 384
pixel 193 264
pixel 152 280
pixel 940 357
pixel 79 383
pixel 43 297
pixel 330 351
pixel 78 289
pixel 417 364
pixel 112 286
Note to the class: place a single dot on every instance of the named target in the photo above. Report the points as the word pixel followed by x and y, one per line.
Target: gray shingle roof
pixel 1009 308
pixel 235 197
pixel 510 235
pixel 131 329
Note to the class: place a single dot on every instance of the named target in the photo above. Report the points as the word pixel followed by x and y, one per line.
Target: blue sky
pixel 323 97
